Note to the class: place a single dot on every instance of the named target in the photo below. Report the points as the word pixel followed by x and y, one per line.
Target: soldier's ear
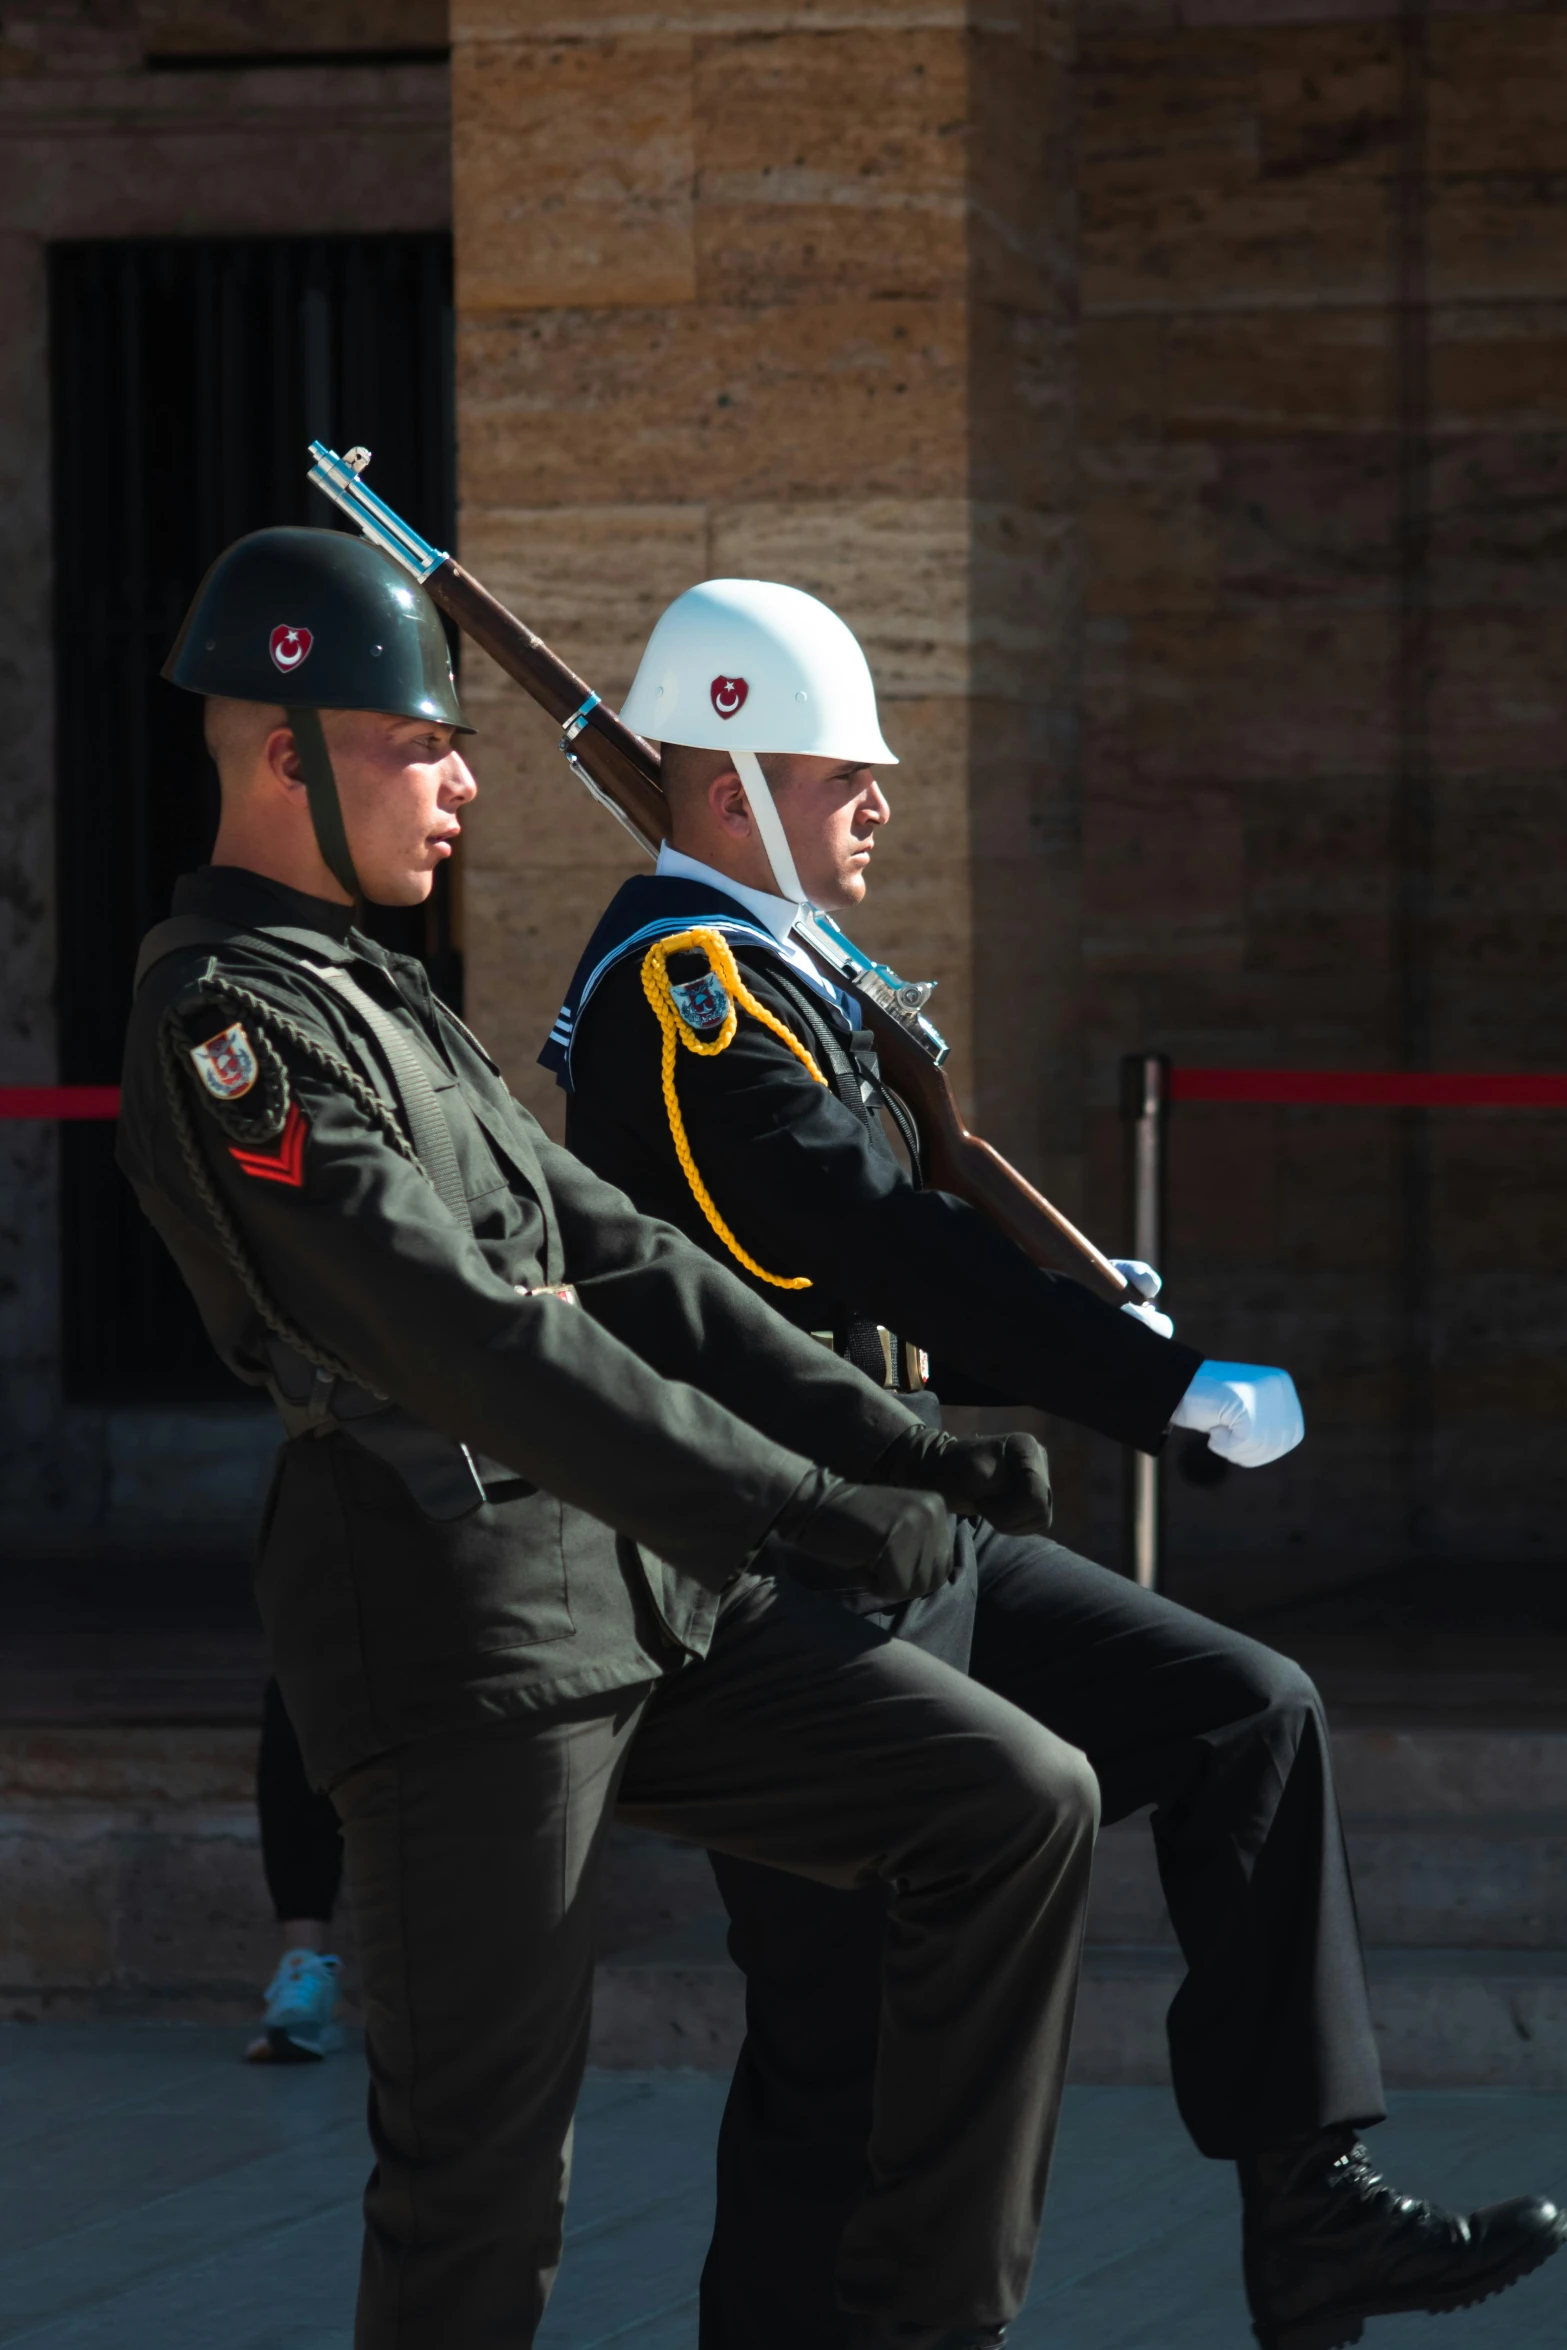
pixel 726 801
pixel 280 757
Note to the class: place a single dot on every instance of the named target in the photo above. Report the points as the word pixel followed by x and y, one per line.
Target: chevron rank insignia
pixel 226 1064
pixel 285 1162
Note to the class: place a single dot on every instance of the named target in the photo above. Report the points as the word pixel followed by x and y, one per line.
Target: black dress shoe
pixel 881 2333
pixel 1328 2245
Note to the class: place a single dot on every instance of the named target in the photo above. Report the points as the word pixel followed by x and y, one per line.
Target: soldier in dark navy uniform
pixel 557 1526
pixel 726 1083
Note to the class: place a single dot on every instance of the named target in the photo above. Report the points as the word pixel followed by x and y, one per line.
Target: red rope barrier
pixel 1381 1089
pixel 59 1101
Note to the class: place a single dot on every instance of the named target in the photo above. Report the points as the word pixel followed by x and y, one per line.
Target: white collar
pixel 775 914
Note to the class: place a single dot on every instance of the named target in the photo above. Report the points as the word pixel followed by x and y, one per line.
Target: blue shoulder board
pixel 654 906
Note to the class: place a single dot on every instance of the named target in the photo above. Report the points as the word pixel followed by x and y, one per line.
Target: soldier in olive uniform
pixel 554 1527
pixel 742 1104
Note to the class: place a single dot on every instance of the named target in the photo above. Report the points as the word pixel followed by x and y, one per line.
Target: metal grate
pixel 188 375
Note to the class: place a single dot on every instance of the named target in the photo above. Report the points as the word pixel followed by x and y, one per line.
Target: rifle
pixel 620 771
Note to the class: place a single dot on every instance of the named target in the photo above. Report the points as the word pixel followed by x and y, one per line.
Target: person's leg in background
pixel 302 1856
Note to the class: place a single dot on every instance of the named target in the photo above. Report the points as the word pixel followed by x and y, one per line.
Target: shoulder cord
pixel 241 1263
pixel 656 987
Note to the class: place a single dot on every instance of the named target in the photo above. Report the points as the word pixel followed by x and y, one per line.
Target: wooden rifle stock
pixel 625 770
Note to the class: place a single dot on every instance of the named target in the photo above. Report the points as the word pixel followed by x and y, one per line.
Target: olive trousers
pixel 812 1742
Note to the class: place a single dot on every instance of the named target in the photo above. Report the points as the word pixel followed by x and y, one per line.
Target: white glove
pixel 1146 1283
pixel 1250 1415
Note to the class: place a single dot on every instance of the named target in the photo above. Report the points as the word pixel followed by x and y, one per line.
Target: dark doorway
pixel 188 375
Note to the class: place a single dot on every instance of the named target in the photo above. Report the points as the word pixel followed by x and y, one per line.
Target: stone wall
pixel 93 143
pixel 1324 261
pixel 1170 392
pixel 788 292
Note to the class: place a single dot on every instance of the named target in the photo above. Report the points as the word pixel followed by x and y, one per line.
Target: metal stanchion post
pixel 1145 1096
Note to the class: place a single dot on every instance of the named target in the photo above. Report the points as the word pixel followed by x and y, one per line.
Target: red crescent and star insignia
pixel 728 695
pixel 226 1064
pixel 289 646
pixel 285 1162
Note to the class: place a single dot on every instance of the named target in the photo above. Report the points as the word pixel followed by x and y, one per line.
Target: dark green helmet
pixel 318 621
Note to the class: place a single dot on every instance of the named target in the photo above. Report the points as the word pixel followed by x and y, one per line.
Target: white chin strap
pixel 769 825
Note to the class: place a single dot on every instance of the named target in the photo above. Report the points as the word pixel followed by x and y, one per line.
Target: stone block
pixel 1021 139
pixel 897 570
pixel 1237 242
pixel 591 580
pixel 551 20
pixel 1499 238
pixel 1494 94
pixel 1217 171
pixel 697 402
pixel 573 174
pixel 947 596
pixel 191 1914
pixel 806 191
pixel 1500 366
pixel 1499 694
pixel 1317 897
pixel 522 948
pixel 1243 696
pixel 1164 875
pixel 1022 408
pixel 57 1901
pixel 1164 105
pixel 257 153
pixel 1307 523
pixel 532 818
pixel 1329 101
pixel 1241 377
pixel 1498 507
pixel 1150 527
pixel 206 28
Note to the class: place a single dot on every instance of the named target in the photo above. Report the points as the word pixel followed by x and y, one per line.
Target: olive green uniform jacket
pixel 626 1454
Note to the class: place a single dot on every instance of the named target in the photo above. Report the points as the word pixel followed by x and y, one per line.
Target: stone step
pixel 130 1883
pixel 1444 2018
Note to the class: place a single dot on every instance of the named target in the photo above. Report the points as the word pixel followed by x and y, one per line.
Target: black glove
pixel 1003 1478
pixel 864 1538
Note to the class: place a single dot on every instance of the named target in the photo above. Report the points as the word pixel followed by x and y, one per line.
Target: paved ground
pixel 157 2195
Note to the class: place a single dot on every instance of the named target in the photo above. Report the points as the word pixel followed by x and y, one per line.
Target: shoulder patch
pixel 226 1063
pixel 238 1076
pixel 701 1003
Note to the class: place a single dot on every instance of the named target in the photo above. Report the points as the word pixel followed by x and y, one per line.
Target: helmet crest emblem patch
pixel 289 646
pixel 729 695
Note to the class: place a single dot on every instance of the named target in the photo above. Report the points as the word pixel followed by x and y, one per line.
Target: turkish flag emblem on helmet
pixel 729 695
pixel 289 646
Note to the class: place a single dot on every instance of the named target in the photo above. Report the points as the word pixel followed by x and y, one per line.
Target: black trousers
pixel 812 1742
pixel 1269 2032
pixel 301 1839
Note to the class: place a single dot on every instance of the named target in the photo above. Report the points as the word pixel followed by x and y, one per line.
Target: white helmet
pixel 747 665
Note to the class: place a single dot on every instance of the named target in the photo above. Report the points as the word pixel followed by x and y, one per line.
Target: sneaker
pixel 300 2025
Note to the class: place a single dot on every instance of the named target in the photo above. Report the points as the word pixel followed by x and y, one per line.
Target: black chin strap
pixel 326 812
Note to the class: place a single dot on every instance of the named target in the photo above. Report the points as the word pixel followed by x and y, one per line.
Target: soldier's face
pixel 831 811
pixel 402 783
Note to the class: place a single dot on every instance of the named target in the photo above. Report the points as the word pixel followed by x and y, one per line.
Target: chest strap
pixel 428 1130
